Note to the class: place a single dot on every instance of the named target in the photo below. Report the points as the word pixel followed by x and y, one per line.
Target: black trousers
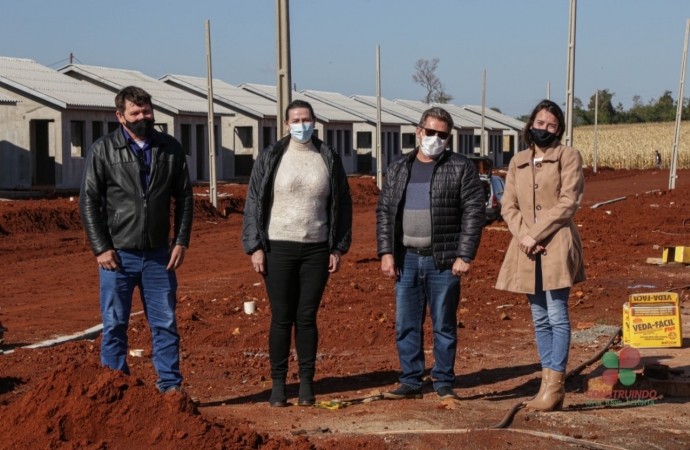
pixel 296 276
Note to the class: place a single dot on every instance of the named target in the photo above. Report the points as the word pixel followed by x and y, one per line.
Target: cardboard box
pixel 676 254
pixel 652 321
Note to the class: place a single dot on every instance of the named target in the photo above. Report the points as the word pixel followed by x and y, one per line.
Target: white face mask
pixel 301 132
pixel 432 146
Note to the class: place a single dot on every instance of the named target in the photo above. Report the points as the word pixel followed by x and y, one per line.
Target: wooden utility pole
pixel 482 138
pixel 71 57
pixel 570 82
pixel 596 123
pixel 548 90
pixel 679 112
pixel 283 69
pixel 213 184
pixel 379 159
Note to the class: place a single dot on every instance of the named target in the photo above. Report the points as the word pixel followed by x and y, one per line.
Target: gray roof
pixel 164 95
pixel 4 98
pixel 31 78
pixel 357 108
pixel 325 112
pixel 227 94
pixel 457 112
pixel 511 122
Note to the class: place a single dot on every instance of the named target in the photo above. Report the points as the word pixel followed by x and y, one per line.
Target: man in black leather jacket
pixel 429 222
pixel 130 177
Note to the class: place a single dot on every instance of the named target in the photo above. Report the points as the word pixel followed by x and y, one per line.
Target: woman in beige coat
pixel 543 191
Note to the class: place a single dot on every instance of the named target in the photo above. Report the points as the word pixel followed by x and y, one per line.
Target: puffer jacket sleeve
pixel 93 187
pixel 251 234
pixel 343 233
pixel 473 212
pixel 385 219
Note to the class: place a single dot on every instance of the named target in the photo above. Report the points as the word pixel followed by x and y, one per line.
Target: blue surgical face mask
pixel 301 132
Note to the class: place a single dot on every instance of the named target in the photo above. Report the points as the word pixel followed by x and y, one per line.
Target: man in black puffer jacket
pixel 429 222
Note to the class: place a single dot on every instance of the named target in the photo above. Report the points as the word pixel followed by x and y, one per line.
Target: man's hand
pixel 388 267
pixel 259 261
pixel 334 261
pixel 108 260
pixel 527 245
pixel 176 257
pixel 460 267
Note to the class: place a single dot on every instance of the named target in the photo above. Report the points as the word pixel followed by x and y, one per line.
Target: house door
pixel 200 152
pixel 43 170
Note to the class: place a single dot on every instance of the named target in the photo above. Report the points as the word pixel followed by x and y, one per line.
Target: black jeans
pixel 296 276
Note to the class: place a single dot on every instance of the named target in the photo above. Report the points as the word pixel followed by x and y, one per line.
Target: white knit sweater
pixel 300 196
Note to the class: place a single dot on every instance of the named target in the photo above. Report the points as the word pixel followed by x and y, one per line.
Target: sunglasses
pixel 429 132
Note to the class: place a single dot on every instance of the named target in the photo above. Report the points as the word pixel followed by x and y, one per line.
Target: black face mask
pixel 542 138
pixel 141 128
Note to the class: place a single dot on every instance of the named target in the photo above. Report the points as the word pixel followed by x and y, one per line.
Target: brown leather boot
pixel 554 394
pixel 539 398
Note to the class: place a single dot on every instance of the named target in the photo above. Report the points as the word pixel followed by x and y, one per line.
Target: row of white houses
pixel 49 118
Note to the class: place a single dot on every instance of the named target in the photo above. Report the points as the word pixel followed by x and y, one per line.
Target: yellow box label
pixel 654 297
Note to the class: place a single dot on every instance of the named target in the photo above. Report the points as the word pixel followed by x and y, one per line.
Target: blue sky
pixel 628 46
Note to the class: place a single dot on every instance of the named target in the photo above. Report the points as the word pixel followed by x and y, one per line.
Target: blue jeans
pixel 146 269
pixel 551 324
pixel 421 283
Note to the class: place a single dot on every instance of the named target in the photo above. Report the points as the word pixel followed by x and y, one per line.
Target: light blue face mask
pixel 301 132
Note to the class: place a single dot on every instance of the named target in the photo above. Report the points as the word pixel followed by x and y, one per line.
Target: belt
pixel 421 251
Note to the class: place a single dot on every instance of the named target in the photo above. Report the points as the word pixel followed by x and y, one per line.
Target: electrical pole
pixel 548 90
pixel 679 112
pixel 283 69
pixel 213 184
pixel 596 123
pixel 482 138
pixel 71 57
pixel 570 82
pixel 379 162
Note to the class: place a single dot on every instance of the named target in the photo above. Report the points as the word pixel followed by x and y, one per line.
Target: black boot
pixel 278 395
pixel 306 392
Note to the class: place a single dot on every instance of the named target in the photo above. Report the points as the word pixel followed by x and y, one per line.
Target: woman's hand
pixel 334 261
pixel 527 245
pixel 259 261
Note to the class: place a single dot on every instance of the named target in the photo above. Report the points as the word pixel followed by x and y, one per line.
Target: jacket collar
pixel 121 142
pixel 524 157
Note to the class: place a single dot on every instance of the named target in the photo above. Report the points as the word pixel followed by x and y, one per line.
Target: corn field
pixel 632 146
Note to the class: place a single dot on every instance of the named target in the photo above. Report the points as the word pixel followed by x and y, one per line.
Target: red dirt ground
pixel 60 398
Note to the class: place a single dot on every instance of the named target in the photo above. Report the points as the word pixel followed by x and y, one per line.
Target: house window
pixel 348 142
pixel 364 139
pixel 96 131
pixel 161 127
pixel 245 136
pixel 77 139
pixel 186 138
pixel 112 126
pixel 396 143
pixel 329 140
pixel 450 143
pixel 339 141
pixel 408 140
pixel 315 133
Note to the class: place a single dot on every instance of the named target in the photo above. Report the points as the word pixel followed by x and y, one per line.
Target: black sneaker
pixel 404 391
pixel 445 392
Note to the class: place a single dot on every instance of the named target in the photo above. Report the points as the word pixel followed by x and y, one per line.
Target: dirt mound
pixel 39 216
pixel 363 190
pixel 82 405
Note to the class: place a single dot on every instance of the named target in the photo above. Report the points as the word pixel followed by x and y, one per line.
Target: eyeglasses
pixel 429 132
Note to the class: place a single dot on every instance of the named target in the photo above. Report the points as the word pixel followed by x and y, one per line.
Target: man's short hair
pixel 134 94
pixel 299 104
pixel 437 113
